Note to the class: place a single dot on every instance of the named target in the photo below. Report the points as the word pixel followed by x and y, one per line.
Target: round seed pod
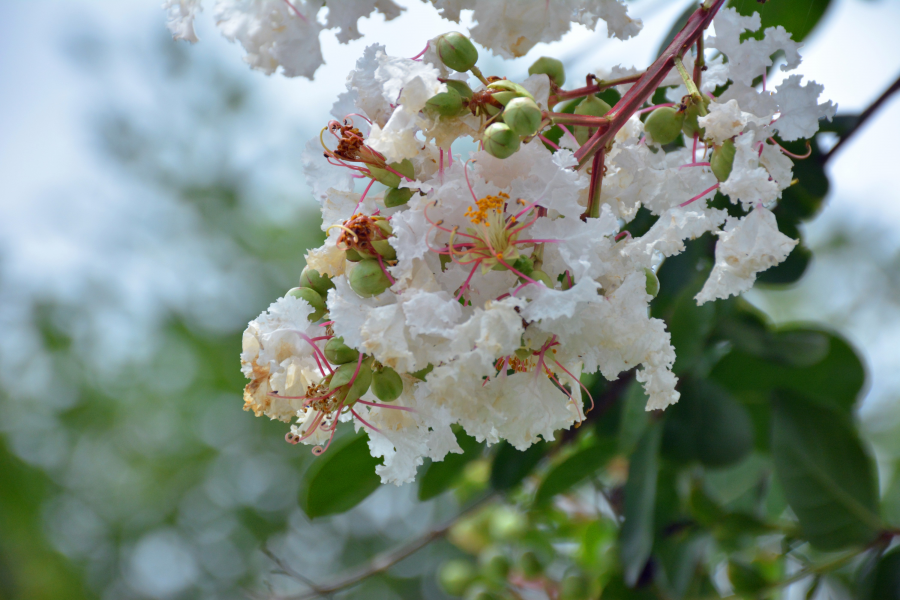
pixel 722 160
pixel 397 197
pixel 551 67
pixel 310 278
pixel 523 116
pixel 500 141
pixel 384 248
pixel 446 104
pixel 339 353
pixel 691 114
pixel 494 564
pixel 312 298
pixel 368 279
pixel 461 88
pixel 664 124
pixel 591 106
pixel 575 587
pixel 504 91
pixel 530 565
pixel 343 376
pixel 652 282
pixel 457 51
pixel 387 384
pixel 352 255
pixel 455 576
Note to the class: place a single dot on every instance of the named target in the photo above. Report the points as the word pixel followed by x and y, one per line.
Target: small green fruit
pixel 312 298
pixel 387 384
pixel 664 124
pixel 722 160
pixel 505 91
pixel 384 248
pixel 500 141
pixel 352 255
pixel 539 275
pixel 530 565
pixel 339 353
pixel 691 114
pixel 494 564
pixel 343 375
pixel 397 197
pixel 457 51
pixel 446 104
pixel 523 116
pixel 460 87
pixel 550 67
pixel 652 282
pixel 591 106
pixel 368 279
pixel 455 576
pixel 506 523
pixel 310 278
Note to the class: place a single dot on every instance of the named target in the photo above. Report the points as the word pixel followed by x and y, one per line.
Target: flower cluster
pixel 476 290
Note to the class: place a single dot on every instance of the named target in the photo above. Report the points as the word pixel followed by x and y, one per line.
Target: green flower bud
pixel 507 523
pixel 385 226
pixel 422 373
pixel 505 91
pixel 344 373
pixel 352 255
pixel 530 565
pixel 368 279
pixel 310 278
pixel 456 51
pixel 384 248
pixel 722 160
pixel 539 275
pixel 455 575
pixel 339 353
pixel 664 124
pixel 397 197
pixel 652 282
pixel 550 67
pixel 387 384
pixel 523 116
pixel 446 104
pixel 500 141
pixel 691 114
pixel 312 298
pixel 524 265
pixel 494 564
pixel 575 587
pixel 461 88
pixel 591 106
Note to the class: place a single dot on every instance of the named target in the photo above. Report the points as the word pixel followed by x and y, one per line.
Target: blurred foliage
pixel 147 479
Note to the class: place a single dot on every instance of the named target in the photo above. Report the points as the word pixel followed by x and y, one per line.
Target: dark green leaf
pixel 636 535
pixel 789 271
pixel 890 503
pixel 512 466
pixel 634 417
pixel 834 381
pixel 340 479
pixel 745 578
pixel 690 326
pixel 440 476
pixel 799 18
pixel 886 579
pixel 826 476
pixel 575 469
pixel 707 425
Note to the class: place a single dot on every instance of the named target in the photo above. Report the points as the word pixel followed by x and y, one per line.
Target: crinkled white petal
pixel 180 15
pixel 749 183
pixel 800 108
pixel 344 16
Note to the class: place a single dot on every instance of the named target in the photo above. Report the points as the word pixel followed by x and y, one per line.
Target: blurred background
pixel 152 202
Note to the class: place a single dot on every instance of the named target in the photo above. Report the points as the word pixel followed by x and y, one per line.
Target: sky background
pixel 114 243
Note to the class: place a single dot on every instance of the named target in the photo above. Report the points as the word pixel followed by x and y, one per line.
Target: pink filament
pixel 695 164
pixel 791 154
pixel 700 195
pixel 622 234
pixel 538 241
pixel 548 142
pixel 586 391
pixel 569 133
pixel 468 183
pixel 363 197
pixel 465 284
pixel 694 151
pixel 380 405
pixel 383 270
pixel 364 422
pixel 420 54
pixel 297 12
pixel 643 110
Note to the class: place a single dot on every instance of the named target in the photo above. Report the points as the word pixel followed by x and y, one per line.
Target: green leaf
pixel 575 469
pixel 689 326
pixel 636 535
pixel 835 381
pixel 745 578
pixel 827 478
pixel 707 425
pixel 790 270
pixel 890 502
pixel 340 479
pixel 440 476
pixel 799 18
pixel 886 579
pixel 511 466
pixel 634 417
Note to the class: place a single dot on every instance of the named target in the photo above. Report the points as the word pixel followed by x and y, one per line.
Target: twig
pixel 379 563
pixel 866 114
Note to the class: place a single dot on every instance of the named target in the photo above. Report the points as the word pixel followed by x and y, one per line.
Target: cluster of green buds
pixel 365 241
pixel 665 123
pixel 313 288
pixel 494 535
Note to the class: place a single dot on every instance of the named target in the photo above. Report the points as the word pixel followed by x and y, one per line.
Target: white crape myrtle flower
pixel 180 18
pixel 475 291
pixel 746 246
